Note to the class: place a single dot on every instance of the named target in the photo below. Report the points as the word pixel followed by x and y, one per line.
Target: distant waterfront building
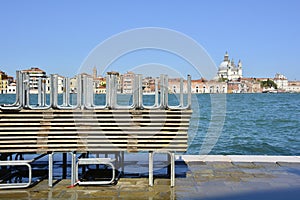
pixel 198 86
pixel 60 84
pixel 251 85
pixel 293 86
pixel 281 81
pixel 3 82
pixel 99 84
pixel 3 86
pixel 12 88
pixel 148 85
pixel 204 86
pixel 34 75
pixel 214 87
pixel 127 83
pixel 174 85
pixel 228 70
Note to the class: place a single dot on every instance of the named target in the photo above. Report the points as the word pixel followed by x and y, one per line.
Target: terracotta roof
pixel 33 69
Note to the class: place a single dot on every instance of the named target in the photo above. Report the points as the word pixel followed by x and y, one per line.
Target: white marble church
pixel 228 70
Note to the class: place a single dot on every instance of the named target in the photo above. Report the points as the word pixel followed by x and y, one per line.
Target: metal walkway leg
pixel 172 169
pixel 73 168
pixel 151 168
pixel 50 168
pixel 172 162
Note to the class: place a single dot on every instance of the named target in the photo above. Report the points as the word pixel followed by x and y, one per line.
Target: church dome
pixel 223 65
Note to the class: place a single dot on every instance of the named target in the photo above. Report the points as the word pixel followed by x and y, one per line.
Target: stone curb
pixel 238 158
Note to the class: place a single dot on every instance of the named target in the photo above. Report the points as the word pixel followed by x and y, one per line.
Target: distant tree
pixel 268 84
pixel 223 79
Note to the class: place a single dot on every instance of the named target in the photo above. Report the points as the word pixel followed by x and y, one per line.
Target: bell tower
pixel 94 73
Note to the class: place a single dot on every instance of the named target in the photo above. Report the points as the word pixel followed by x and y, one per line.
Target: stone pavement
pixel 197 177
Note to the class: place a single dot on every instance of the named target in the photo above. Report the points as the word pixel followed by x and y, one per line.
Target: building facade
pixel 293 86
pixel 34 75
pixel 99 84
pixel 127 81
pixel 281 81
pixel 3 82
pixel 228 70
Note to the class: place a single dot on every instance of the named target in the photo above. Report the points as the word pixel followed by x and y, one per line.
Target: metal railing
pixel 85 93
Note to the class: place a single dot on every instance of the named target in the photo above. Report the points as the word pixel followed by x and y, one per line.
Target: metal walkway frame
pixel 47 121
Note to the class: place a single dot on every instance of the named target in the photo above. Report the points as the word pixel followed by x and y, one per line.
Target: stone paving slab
pixel 197 177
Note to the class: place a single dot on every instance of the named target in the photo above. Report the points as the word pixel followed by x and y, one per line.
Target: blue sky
pixel 57 36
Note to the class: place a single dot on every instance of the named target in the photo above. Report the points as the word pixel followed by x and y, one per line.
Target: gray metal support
pixel 156 104
pixel 66 92
pixel 172 169
pixel 26 89
pixel 85 98
pixel 50 170
pixel 19 94
pixel 40 91
pixel 73 168
pixel 181 105
pixel 181 93
pixel 108 93
pixel 166 93
pixel 53 92
pixel 151 168
pixel 113 91
pixel 172 162
pixel 79 91
pixel 189 92
pixel 139 91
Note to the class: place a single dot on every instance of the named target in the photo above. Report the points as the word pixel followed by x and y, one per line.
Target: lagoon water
pixel 254 124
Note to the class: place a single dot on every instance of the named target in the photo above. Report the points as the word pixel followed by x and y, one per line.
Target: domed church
pixel 228 70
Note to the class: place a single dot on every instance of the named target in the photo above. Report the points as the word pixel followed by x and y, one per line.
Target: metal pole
pixel 150 168
pixel 26 90
pixel 162 91
pixel 108 87
pixel 156 92
pixel 113 92
pixel 44 92
pixel 79 90
pixel 189 91
pixel 84 89
pixel 172 169
pixel 65 91
pixel 138 91
pixel 40 91
pixel 166 92
pixel 90 92
pixel 181 92
pixel 50 172
pixel 73 168
pixel 53 91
